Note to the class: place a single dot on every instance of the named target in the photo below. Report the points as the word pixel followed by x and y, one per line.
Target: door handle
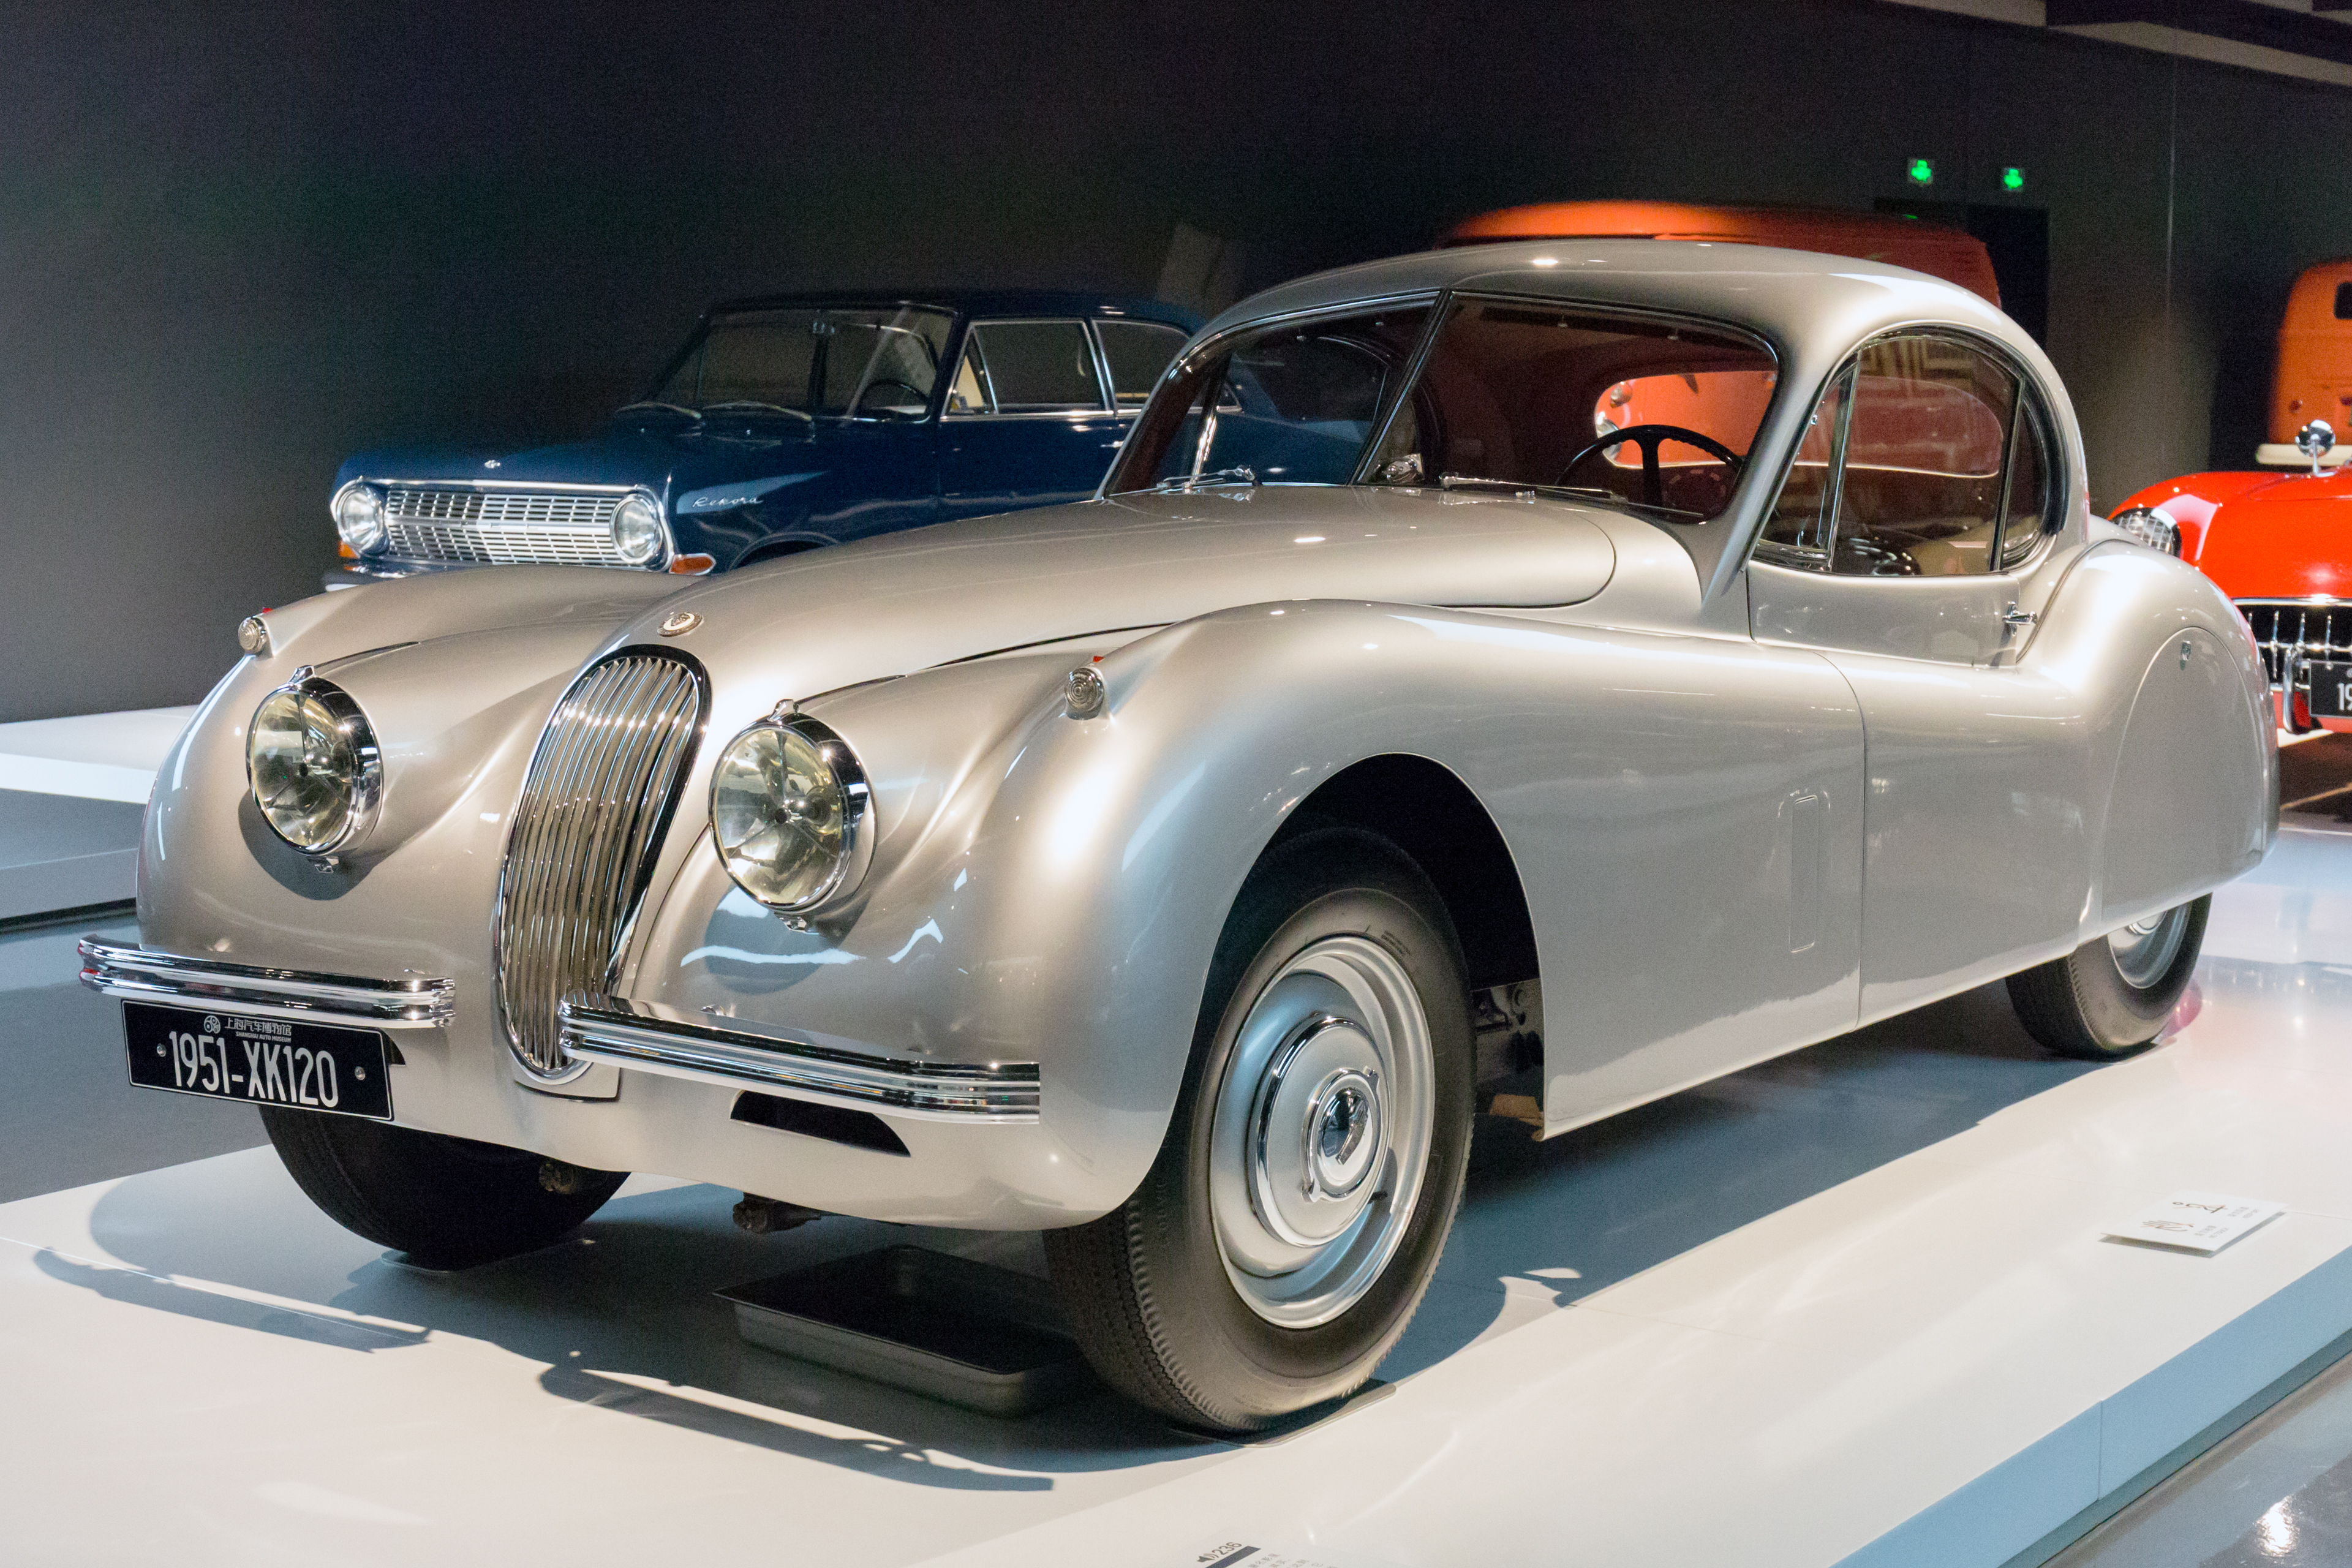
pixel 2016 618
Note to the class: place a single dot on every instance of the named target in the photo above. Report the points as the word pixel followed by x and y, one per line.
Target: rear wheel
pixel 2111 996
pixel 449 1203
pixel 1291 1223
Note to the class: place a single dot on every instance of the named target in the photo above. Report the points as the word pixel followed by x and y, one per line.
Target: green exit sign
pixel 1921 171
pixel 2013 178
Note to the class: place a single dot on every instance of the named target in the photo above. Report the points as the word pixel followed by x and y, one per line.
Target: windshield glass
pixel 1531 394
pixel 1512 391
pixel 1292 404
pixel 874 363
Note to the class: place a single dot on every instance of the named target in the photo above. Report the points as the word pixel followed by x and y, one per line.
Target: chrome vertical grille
pixel 2321 629
pixel 603 783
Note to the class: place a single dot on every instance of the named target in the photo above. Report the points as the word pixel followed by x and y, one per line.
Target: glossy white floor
pixel 1849 1306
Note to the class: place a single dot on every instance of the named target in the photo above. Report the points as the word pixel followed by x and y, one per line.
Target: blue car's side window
pixel 1138 355
pixel 1026 367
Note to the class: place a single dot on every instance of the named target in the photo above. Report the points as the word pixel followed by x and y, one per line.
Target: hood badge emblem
pixel 677 623
pixel 491 463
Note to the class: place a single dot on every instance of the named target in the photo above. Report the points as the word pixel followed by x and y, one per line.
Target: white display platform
pixel 1849 1308
pixel 100 756
pixel 69 793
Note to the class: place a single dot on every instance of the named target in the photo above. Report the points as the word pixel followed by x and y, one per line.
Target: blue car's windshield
pixel 874 363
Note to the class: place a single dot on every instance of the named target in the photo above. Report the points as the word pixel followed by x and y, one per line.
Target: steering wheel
pixel 914 394
pixel 1650 437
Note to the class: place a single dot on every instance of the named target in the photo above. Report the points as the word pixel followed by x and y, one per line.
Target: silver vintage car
pixel 1531 679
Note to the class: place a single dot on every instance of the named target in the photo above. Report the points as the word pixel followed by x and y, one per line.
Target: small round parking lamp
pixel 359 517
pixel 638 537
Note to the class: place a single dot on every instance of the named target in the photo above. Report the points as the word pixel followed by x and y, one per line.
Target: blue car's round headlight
pixel 359 517
pixel 638 537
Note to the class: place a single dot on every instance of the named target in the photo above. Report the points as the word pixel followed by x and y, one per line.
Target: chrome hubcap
pixel 1321 1132
pixel 2143 949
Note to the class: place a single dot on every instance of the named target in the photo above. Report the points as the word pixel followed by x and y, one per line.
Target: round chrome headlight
pixel 790 813
pixel 312 761
pixel 2151 527
pixel 359 517
pixel 638 537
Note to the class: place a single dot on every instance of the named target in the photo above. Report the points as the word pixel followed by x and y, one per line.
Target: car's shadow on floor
pixel 1545 1223
pixel 622 1316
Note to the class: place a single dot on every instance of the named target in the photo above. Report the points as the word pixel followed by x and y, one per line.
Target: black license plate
pixel 222 1055
pixel 2331 690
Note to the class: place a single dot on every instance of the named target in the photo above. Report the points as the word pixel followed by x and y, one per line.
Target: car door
pixel 1919 496
pixel 1028 421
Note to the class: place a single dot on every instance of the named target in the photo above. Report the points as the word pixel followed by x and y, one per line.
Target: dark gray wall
pixel 236 247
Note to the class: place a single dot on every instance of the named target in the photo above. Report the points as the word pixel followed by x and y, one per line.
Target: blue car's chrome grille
pixel 479 526
pixel 601 787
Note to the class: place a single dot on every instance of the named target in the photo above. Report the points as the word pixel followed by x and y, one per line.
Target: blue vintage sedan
pixel 784 424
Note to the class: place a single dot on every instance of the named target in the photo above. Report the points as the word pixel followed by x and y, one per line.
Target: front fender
pixel 1049 889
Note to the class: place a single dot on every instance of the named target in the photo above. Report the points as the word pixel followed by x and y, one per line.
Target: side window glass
pixel 2031 505
pixel 1800 518
pixel 1034 367
pixel 968 394
pixel 901 371
pixel 1140 353
pixel 1919 487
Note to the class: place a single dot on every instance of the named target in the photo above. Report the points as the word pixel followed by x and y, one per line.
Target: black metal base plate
pixel 968 1333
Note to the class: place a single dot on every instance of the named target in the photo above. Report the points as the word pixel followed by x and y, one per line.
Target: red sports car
pixel 2277 544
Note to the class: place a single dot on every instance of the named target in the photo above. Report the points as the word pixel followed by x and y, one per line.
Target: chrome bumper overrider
pixel 144 975
pixel 735 1055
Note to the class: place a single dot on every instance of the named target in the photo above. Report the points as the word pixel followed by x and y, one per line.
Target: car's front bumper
pixel 144 975
pixel 731 1054
pixel 966 1144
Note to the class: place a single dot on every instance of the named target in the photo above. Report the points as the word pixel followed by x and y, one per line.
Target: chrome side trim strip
pixel 145 975
pixel 725 1053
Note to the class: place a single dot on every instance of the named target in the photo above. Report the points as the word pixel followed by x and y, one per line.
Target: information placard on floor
pixel 2203 1222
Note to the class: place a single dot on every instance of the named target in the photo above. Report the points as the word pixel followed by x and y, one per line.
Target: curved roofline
pixel 1811 309
pixel 972 301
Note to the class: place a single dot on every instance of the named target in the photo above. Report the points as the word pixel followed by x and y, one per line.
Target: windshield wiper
pixel 1481 482
pixel 1187 482
pixel 752 405
pixel 656 404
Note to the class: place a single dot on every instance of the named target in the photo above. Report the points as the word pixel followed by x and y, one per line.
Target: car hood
pixel 679 466
pixel 2288 538
pixel 909 601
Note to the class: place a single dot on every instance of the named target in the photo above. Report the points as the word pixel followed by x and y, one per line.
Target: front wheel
pixel 1290 1225
pixel 448 1202
pixel 2111 996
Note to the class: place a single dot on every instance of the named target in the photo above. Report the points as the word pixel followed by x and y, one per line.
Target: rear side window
pixel 2033 508
pixel 1027 367
pixel 1920 489
pixel 1140 353
pixel 1927 458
